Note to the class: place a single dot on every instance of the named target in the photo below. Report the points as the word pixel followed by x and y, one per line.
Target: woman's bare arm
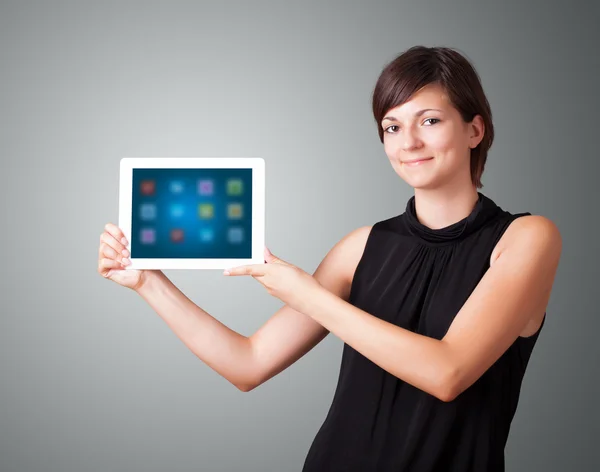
pixel 288 334
pixel 247 362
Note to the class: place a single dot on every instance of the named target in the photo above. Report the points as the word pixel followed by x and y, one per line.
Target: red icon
pixel 147 187
pixel 177 235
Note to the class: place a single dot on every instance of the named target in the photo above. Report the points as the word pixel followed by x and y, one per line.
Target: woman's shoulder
pixel 537 224
pixel 355 241
pixel 339 265
pixel 530 229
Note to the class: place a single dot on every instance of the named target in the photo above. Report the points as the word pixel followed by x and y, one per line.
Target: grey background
pixel 93 380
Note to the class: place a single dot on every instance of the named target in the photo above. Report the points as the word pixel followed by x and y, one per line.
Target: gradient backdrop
pixel 91 379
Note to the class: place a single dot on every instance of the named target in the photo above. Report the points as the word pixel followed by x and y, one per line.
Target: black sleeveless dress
pixel 419 278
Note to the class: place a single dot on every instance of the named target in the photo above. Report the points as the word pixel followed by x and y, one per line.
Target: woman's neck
pixel 438 209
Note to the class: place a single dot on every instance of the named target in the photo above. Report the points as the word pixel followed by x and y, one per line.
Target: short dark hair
pixel 419 66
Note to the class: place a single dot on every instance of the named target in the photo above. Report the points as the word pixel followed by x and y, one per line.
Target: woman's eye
pixel 432 121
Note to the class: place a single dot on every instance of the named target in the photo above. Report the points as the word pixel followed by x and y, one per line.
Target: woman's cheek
pixel 439 142
pixel 390 148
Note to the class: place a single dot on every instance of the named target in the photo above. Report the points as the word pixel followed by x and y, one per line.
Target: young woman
pixel 439 307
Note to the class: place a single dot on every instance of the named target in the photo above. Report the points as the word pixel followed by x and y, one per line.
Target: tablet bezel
pixel 257 165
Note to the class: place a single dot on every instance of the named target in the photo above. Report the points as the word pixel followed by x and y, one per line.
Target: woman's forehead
pixel 430 96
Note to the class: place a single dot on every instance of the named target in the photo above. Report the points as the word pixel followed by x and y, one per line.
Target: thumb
pixel 271 259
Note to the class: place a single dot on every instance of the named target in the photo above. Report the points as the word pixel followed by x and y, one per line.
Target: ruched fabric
pixel 418 278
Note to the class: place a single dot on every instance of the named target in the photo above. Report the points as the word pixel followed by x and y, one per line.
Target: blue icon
pixel 147 211
pixel 176 210
pixel 235 235
pixel 207 235
pixel 176 186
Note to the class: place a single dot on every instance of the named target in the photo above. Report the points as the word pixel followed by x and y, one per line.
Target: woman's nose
pixel 410 140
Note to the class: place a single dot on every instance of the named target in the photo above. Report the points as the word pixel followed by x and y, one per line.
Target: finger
pixel 109 240
pixel 116 233
pixel 270 258
pixel 253 270
pixel 242 270
pixel 109 252
pixel 106 264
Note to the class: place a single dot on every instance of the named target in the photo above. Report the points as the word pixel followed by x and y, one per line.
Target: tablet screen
pixel 191 213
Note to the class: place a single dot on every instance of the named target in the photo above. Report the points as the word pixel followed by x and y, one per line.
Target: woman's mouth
pixel 417 162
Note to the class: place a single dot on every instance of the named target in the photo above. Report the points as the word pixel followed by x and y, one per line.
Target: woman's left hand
pixel 283 280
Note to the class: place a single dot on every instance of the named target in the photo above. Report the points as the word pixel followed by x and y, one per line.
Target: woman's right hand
pixel 113 257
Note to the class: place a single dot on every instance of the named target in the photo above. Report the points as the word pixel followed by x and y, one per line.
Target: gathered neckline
pixel 484 210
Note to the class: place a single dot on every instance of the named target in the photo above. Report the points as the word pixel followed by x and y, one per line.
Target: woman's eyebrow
pixel 419 113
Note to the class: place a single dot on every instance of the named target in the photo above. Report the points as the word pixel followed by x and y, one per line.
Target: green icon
pixel 206 210
pixel 234 187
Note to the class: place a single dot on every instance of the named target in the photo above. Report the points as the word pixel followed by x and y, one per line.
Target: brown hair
pixel 420 66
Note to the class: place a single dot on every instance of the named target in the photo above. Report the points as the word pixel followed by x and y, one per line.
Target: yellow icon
pixel 206 210
pixel 234 211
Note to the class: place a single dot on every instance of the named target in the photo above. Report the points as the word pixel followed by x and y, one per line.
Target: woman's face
pixel 438 134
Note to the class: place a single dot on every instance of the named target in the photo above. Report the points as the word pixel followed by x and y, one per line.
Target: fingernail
pixel 124 241
pixel 125 252
pixel 226 272
pixel 125 261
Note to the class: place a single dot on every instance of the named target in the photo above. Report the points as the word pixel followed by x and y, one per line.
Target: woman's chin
pixel 421 182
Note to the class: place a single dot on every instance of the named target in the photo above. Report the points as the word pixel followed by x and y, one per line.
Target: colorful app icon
pixel 177 210
pixel 207 235
pixel 234 211
pixel 235 235
pixel 147 236
pixel 147 211
pixel 206 187
pixel 147 187
pixel 234 187
pixel 176 235
pixel 206 210
pixel 176 186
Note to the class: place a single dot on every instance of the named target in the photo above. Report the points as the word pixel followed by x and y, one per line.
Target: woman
pixel 439 307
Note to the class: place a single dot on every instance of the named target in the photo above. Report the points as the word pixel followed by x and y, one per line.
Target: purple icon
pixel 148 236
pixel 205 187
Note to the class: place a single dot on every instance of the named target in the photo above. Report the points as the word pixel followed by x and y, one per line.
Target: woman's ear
pixel 477 128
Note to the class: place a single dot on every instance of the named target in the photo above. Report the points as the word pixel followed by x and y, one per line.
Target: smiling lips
pixel 417 162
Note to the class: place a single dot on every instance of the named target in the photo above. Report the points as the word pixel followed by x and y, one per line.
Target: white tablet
pixel 193 213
